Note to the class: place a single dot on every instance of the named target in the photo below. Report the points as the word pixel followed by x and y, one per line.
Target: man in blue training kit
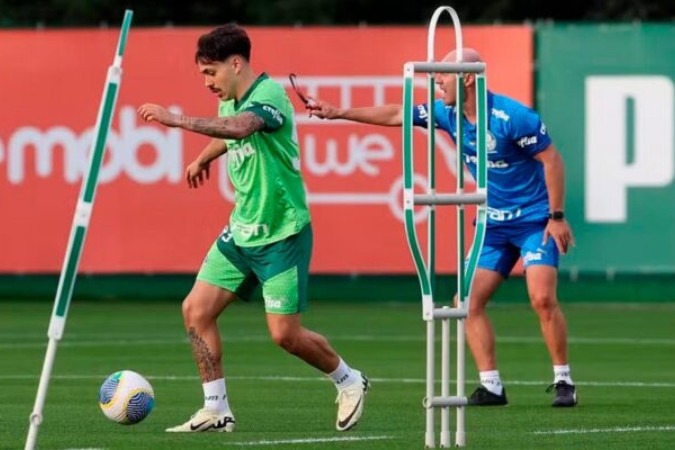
pixel 525 216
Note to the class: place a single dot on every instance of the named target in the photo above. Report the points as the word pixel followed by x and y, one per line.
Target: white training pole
pixel 78 229
pixel 445 381
pixel 445 438
pixel 431 198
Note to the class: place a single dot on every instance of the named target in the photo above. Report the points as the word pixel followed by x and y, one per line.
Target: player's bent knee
pixel 477 306
pixel 196 312
pixel 475 311
pixel 287 342
pixel 186 309
pixel 286 338
pixel 189 312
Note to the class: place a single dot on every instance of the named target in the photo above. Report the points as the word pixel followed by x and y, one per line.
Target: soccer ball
pixel 126 397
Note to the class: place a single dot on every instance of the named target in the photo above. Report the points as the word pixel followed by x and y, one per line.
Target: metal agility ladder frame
pixel 466 267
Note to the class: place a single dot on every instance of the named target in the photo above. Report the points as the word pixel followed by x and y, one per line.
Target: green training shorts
pixel 281 267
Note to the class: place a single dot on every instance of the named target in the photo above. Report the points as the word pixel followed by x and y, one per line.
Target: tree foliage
pixel 87 13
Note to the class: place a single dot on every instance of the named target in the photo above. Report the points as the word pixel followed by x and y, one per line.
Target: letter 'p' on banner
pixel 629 140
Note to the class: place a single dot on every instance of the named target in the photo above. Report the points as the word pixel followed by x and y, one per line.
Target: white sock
pixel 215 396
pixel 490 380
pixel 562 373
pixel 344 375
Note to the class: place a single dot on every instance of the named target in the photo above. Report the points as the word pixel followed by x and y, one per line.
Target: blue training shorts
pixel 504 244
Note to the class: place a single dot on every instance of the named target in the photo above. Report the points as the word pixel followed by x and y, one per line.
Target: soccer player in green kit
pixel 269 238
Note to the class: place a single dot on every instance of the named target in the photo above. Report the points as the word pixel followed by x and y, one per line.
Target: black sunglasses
pixel 297 90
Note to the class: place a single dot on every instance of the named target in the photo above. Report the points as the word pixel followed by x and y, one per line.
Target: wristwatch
pixel 556 215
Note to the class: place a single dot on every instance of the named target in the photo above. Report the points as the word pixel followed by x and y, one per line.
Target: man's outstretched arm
pixel 386 115
pixel 233 127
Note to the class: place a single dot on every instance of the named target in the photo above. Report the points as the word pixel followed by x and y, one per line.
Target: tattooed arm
pixel 233 127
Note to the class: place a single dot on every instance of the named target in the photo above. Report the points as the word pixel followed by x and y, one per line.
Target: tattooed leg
pixel 207 356
pixel 201 309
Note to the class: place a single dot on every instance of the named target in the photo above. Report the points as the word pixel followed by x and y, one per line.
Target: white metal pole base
pixel 35 418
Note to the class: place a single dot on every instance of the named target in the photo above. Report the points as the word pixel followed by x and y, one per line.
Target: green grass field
pixel 622 356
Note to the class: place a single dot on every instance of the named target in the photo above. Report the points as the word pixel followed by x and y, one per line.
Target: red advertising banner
pixel 145 219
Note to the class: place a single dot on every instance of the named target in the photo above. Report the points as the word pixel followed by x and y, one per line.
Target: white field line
pixel 630 384
pixel 113 341
pixel 309 441
pixel 291 441
pixel 608 430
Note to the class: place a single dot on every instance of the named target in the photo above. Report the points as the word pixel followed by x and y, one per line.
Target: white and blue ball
pixel 126 397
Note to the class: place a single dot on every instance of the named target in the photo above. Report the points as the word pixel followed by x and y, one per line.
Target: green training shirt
pixel 270 201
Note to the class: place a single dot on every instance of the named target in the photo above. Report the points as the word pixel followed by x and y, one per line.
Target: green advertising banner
pixel 606 93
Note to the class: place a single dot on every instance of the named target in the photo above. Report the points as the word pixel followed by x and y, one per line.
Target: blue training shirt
pixel 516 187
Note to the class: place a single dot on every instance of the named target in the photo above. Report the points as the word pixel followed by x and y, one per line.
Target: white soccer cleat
pixel 350 400
pixel 206 420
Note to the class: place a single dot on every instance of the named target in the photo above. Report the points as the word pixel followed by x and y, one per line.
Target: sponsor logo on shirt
pixel 238 154
pixel 526 140
pixel 502 215
pixel 501 164
pixel 498 113
pixel 276 115
pixel 254 229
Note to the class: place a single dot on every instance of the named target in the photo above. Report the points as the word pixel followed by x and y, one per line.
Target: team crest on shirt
pixel 491 142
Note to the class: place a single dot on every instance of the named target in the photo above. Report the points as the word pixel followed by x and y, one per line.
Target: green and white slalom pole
pixel 78 229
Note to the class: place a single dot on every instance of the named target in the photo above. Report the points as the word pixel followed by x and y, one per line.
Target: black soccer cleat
pixel 483 397
pixel 565 394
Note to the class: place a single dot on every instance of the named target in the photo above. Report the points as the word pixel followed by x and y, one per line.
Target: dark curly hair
pixel 223 42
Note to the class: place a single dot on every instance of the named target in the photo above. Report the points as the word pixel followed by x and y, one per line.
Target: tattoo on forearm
pixel 206 363
pixel 235 127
